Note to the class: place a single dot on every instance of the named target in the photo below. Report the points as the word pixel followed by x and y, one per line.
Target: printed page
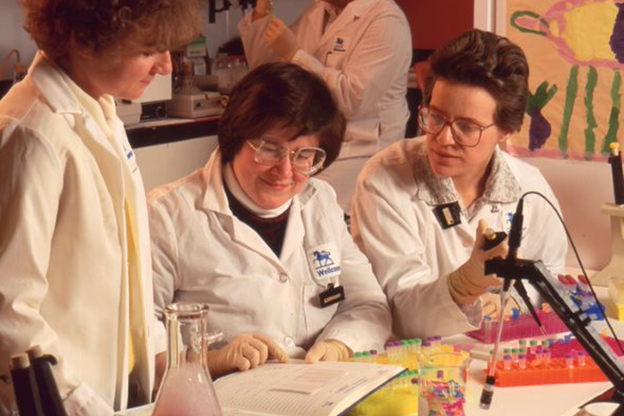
pixel 299 389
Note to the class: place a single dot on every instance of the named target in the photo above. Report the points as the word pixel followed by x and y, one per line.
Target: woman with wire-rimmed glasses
pixel 421 207
pixel 260 240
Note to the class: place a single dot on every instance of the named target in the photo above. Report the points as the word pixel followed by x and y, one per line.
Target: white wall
pixel 582 188
pixel 12 36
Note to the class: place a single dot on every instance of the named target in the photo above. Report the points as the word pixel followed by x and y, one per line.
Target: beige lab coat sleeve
pixel 28 172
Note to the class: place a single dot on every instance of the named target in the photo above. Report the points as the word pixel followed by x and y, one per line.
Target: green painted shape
pixel 571 90
pixel 614 115
pixel 590 87
pixel 526 13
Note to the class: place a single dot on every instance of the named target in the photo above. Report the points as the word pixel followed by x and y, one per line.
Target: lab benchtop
pixel 543 400
pixel 168 130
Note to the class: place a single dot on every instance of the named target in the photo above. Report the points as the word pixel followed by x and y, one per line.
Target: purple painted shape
pixel 617 36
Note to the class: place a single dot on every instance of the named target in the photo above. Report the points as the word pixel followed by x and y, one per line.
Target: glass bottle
pixel 187 388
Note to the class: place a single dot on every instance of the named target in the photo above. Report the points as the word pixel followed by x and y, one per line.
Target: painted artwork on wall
pixel 576 52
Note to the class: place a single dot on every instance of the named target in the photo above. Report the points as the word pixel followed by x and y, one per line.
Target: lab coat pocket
pixel 316 317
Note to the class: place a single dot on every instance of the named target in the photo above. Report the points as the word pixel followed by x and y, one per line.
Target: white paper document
pixel 299 389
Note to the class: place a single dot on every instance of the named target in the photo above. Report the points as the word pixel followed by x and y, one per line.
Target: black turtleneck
pixel 272 230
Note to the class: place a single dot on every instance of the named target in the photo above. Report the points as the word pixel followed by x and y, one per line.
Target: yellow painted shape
pixel 588 30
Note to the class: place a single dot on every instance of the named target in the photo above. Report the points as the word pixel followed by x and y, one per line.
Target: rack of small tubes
pixel 551 361
pixel 435 379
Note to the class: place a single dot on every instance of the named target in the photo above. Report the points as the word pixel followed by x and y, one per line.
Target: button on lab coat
pixel 202 253
pixel 64 246
pixel 363 56
pixel 412 254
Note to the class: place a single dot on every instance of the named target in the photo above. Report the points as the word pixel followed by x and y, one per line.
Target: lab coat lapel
pixel 350 14
pixel 295 233
pixel 215 199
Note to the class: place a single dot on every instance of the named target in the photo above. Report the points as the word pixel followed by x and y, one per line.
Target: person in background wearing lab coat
pixel 259 240
pixel 75 266
pixel 363 50
pixel 422 205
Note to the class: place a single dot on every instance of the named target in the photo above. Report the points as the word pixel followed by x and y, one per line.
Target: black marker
pixel 615 160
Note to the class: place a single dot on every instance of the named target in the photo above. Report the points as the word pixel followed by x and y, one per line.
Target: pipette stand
pixel 615 268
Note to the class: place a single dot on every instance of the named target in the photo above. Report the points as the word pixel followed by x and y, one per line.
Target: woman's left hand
pixel 328 350
pixel 281 39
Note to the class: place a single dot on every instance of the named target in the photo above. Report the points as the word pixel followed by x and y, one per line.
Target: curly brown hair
pixel 99 25
pixel 489 61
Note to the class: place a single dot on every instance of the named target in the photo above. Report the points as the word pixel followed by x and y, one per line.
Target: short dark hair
pixel 489 61
pixel 98 25
pixel 281 95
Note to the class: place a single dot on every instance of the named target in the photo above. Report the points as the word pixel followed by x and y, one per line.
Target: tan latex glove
pixel 281 39
pixel 469 282
pixel 492 306
pixel 328 350
pixel 243 352
pixel 263 8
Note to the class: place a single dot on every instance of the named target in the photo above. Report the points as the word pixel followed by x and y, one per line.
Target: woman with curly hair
pixel 74 246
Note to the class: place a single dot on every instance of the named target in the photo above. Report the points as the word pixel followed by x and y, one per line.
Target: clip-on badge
pixel 333 294
pixel 448 215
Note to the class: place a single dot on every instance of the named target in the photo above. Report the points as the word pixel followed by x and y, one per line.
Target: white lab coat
pixel 364 57
pixel 412 254
pixel 202 253
pixel 64 279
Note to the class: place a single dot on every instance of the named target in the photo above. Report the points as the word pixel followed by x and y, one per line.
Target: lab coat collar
pixel 49 79
pixel 215 199
pixel 355 9
pixel 501 186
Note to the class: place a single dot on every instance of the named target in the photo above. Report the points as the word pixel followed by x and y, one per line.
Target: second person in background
pixel 260 241
pixel 362 50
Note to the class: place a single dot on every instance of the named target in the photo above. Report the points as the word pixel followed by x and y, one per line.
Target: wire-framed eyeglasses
pixel 465 132
pixel 305 160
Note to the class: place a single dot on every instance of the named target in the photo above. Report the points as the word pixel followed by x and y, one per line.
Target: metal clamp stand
pixel 615 268
pixel 570 314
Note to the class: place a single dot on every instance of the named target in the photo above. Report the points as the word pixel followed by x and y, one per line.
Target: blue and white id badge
pixel 325 264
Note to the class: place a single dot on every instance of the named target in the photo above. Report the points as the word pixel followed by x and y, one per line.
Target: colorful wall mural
pixel 576 52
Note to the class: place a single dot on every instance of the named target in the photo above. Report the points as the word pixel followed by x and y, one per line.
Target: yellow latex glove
pixel 492 306
pixel 328 350
pixel 263 8
pixel 243 352
pixel 469 281
pixel 281 39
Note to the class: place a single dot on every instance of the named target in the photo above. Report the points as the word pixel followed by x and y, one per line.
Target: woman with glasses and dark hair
pixel 263 243
pixel 422 206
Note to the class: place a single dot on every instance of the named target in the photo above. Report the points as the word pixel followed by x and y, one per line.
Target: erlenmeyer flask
pixel 187 388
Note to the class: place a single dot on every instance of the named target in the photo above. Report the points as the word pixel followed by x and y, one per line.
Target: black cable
pixel 578 259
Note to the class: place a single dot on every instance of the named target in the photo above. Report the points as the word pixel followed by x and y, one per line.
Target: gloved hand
pixel 243 352
pixel 468 282
pixel 281 39
pixel 328 350
pixel 492 306
pixel 263 8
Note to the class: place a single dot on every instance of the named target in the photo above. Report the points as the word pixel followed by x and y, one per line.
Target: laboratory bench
pixel 170 130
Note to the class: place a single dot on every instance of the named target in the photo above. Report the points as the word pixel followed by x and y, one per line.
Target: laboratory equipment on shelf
pixel 615 267
pixel 187 388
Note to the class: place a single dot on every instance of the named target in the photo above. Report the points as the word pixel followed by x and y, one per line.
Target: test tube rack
pixel 518 327
pixel 553 371
pixel 550 361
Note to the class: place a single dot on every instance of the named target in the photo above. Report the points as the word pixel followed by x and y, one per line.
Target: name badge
pixel 448 215
pixel 333 294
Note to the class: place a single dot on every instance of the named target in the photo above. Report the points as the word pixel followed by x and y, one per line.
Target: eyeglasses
pixel 305 160
pixel 465 132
